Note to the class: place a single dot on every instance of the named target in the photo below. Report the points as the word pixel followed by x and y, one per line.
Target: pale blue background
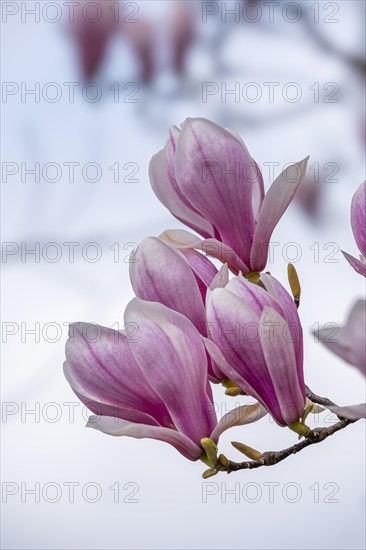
pixel 170 512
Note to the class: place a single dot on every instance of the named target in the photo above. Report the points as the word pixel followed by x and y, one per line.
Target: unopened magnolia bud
pixel 293 279
pixel 209 473
pixel 251 453
pixel 231 388
pixel 211 451
pixel 223 460
pixel 233 392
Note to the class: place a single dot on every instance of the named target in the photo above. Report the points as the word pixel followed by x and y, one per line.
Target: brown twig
pixel 270 458
pixel 357 63
pixel 319 400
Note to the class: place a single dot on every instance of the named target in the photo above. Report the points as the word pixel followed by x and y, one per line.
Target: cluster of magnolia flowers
pixel 196 325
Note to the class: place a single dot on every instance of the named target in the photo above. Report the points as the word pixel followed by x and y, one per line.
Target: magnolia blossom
pixel 349 342
pixel 206 177
pixel 358 222
pixel 93 27
pixel 143 41
pixel 256 340
pixel 177 279
pixel 181 29
pixel 149 382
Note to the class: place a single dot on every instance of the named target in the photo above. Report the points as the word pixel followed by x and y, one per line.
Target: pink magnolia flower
pixel 141 37
pixel 178 279
pixel 151 383
pixel 256 340
pixel 358 222
pixel 206 177
pixel 182 33
pixel 93 27
pixel 349 342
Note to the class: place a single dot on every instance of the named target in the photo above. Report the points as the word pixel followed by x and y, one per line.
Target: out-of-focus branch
pixel 357 63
